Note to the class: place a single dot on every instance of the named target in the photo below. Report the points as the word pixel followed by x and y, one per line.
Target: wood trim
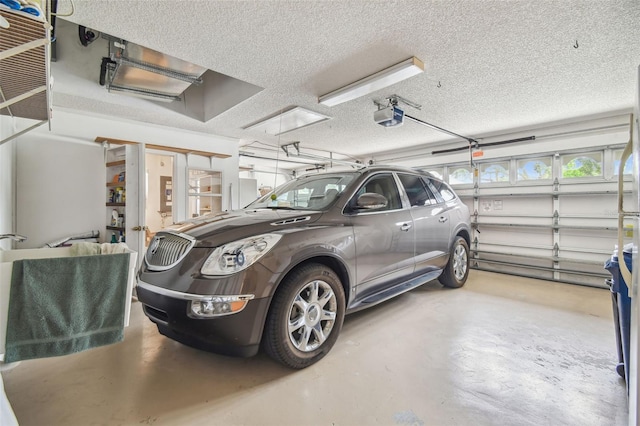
pixel 101 139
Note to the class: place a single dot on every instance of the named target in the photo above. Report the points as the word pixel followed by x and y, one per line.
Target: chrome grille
pixel 167 249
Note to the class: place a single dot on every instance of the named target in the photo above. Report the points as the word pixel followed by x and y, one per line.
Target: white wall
pixel 157 165
pixel 6 181
pixel 60 188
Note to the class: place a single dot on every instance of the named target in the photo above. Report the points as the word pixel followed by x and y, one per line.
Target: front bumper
pixel 237 334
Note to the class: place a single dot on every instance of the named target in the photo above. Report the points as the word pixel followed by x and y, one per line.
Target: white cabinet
pixel 205 192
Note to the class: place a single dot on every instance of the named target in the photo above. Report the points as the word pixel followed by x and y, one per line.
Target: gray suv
pixel 284 271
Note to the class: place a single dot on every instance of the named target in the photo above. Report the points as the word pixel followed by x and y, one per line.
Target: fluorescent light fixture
pixel 377 81
pixel 292 119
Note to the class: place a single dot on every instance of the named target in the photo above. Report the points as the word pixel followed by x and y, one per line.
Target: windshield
pixel 317 192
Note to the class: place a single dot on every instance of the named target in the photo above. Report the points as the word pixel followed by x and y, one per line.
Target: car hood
pixel 242 223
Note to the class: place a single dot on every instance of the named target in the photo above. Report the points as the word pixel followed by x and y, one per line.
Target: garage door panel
pixel 507 205
pixel 515 236
pixel 595 241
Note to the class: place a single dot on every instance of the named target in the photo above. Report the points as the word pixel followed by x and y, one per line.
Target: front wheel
pixel 305 317
pixel 456 272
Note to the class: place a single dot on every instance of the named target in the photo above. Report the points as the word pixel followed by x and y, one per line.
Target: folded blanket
pixel 109 248
pixel 88 249
pixel 85 249
pixel 58 306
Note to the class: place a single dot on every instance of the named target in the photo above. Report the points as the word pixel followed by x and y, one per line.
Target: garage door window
pixel 494 172
pixel 460 175
pixel 534 169
pixel 583 165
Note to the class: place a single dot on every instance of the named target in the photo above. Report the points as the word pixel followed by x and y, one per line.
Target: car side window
pixel 418 193
pixel 441 190
pixel 383 184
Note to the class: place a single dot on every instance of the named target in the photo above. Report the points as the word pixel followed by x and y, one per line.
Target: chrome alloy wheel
pixel 312 315
pixel 460 262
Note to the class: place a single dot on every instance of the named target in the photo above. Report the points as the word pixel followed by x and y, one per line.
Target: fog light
pixel 217 306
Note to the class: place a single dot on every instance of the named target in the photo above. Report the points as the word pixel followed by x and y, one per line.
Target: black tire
pixel 308 294
pixel 456 272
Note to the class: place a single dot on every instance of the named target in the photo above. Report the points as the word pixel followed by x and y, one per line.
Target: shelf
pixel 25 68
pixel 115 189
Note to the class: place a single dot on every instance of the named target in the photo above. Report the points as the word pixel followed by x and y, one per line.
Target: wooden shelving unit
pixel 115 193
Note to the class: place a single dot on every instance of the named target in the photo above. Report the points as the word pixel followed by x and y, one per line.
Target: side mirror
pixel 371 201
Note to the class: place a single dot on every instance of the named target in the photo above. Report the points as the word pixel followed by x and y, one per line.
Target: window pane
pixel 582 165
pixel 439 172
pixel 494 172
pixel 416 191
pixel 441 190
pixel 460 175
pixel 383 184
pixel 534 168
pixel 446 192
pixel 317 192
pixel 628 167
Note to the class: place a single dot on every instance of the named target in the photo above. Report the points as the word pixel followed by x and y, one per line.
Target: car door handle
pixel 405 227
pixel 443 219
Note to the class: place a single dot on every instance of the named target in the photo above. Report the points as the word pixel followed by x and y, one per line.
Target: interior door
pixel 135 201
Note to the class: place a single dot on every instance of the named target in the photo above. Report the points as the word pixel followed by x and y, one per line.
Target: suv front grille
pixel 167 250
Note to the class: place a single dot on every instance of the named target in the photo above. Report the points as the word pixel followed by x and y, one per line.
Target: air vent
pixel 290 221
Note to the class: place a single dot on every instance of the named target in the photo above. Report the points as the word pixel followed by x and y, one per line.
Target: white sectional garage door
pixel 551 216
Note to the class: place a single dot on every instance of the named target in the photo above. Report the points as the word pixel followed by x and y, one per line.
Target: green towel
pixel 59 306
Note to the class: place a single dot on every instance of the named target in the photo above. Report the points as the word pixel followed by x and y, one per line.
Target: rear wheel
pixel 305 317
pixel 456 272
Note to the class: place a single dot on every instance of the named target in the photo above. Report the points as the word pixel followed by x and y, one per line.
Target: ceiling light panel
pixel 295 118
pixel 374 82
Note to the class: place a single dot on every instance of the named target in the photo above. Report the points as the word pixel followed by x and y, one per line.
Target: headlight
pixel 216 306
pixel 238 255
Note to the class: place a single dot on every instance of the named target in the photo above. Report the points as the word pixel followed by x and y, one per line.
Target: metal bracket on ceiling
pixel 394 100
pixel 295 145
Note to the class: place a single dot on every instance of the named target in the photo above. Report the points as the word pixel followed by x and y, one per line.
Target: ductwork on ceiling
pixel 183 87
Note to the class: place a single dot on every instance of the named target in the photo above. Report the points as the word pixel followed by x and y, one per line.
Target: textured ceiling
pixel 489 65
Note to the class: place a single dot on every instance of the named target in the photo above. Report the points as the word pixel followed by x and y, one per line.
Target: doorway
pixel 159 192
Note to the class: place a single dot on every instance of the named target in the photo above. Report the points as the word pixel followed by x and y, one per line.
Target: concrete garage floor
pixel 501 351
